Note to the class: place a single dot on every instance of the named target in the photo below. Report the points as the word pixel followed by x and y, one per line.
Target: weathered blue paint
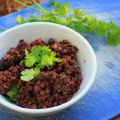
pixel 103 100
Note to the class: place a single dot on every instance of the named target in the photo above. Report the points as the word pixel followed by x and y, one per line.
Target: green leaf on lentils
pixel 12 93
pixel 39 58
pixel 30 59
pixel 29 74
pixel 51 3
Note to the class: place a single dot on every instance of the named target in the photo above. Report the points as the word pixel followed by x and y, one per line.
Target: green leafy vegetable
pixel 48 60
pixel 51 3
pixel 30 59
pixel 29 74
pixel 45 61
pixel 36 50
pixel 76 19
pixel 39 58
pixel 20 20
pixel 12 93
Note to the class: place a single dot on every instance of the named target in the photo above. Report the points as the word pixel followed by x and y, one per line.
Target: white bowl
pixel 86 57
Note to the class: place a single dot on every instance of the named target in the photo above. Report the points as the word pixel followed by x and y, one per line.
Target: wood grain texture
pixel 9 6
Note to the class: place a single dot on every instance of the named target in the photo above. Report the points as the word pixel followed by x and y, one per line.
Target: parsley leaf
pixel 75 19
pixel 51 3
pixel 46 50
pixel 48 60
pixel 45 61
pixel 30 59
pixel 36 50
pixel 39 58
pixel 29 74
pixel 19 19
pixel 12 93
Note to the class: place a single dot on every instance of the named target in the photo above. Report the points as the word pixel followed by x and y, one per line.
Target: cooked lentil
pixel 54 86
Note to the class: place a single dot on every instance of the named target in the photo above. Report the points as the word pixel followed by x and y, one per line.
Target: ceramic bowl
pixel 86 58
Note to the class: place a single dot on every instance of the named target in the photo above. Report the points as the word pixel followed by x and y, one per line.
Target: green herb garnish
pixel 12 93
pixel 76 19
pixel 29 74
pixel 39 58
pixel 19 19
pixel 30 59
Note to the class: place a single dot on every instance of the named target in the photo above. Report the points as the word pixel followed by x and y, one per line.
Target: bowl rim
pixel 70 102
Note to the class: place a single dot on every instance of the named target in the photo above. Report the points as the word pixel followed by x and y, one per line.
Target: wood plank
pixel 8 6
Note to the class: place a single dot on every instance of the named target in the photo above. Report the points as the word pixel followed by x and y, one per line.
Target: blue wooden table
pixel 103 100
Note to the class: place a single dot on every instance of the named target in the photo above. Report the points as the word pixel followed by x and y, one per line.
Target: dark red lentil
pixel 10 59
pixel 53 87
pixel 8 77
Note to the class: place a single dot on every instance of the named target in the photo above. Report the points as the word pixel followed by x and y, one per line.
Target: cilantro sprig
pixel 12 93
pixel 29 74
pixel 39 58
pixel 76 19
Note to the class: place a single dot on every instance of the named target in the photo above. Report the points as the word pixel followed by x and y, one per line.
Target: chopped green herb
pixel 48 60
pixel 39 58
pixel 30 60
pixel 19 19
pixel 12 93
pixel 36 50
pixel 29 74
pixel 51 3
pixel 76 19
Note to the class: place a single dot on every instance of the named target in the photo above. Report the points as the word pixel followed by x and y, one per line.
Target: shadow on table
pixel 6 114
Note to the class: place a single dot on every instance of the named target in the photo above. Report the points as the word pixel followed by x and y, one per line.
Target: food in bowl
pixel 40 74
